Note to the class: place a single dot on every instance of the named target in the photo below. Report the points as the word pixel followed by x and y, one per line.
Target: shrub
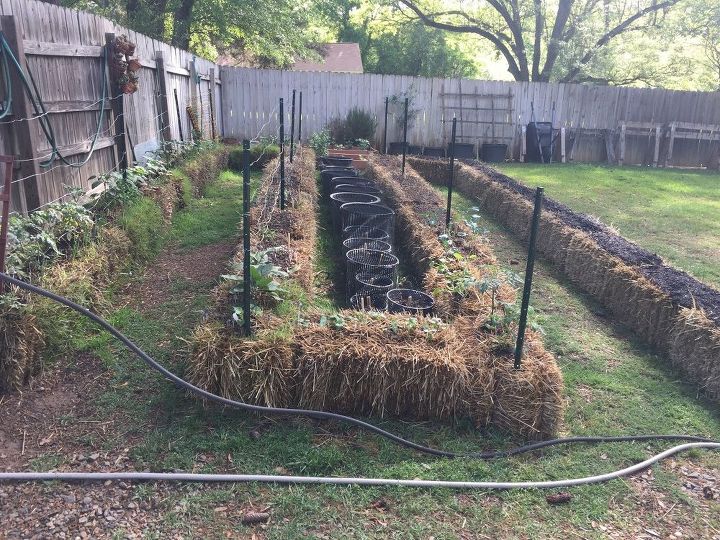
pixel 320 141
pixel 356 128
pixel 359 124
pixel 142 220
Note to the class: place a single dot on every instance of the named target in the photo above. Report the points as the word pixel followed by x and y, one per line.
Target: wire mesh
pixel 360 231
pixel 369 261
pixel 409 301
pixel 338 199
pixel 366 243
pixel 359 187
pixel 377 216
pixel 372 290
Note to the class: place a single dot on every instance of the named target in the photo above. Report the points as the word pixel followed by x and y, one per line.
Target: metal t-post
pixel 387 103
pixel 247 292
pixel 405 136
pixel 292 128
pixel 282 154
pixel 451 173
pixel 528 277
pixel 300 120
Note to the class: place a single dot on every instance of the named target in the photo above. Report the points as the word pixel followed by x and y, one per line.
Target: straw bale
pixel 206 167
pixel 388 365
pixel 21 342
pixel 695 349
pixel 528 402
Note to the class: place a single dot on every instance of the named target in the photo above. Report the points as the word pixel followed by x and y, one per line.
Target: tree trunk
pixel 181 28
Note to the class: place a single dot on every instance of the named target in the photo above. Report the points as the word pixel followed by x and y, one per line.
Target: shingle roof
pixel 337 57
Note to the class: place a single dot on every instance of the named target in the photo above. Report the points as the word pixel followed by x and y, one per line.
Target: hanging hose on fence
pixel 7 96
pixel 40 110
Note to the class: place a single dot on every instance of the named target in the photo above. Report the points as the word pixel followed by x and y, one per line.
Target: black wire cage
pixel 375 216
pixel 337 199
pixel 371 262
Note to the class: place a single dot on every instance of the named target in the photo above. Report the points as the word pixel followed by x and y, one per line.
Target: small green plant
pixel 263 278
pixel 320 142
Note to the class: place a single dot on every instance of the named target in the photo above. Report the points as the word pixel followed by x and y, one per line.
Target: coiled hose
pixel 698 442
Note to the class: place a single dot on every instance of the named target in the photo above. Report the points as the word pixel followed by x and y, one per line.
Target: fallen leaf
pixel 251 518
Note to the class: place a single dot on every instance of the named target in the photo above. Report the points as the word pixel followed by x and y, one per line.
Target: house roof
pixel 337 57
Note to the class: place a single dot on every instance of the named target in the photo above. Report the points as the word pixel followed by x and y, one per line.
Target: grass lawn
pixel 670 212
pixel 614 386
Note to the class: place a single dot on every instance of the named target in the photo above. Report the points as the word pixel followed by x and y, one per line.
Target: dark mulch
pixel 684 289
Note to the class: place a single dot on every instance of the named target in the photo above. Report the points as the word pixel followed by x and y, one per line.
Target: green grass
pixel 142 220
pixel 215 217
pixel 669 212
pixel 614 386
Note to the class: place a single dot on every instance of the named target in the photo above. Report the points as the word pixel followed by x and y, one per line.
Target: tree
pixel 532 37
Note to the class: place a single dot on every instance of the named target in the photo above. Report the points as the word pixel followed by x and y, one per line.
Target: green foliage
pixel 46 235
pixel 320 142
pixel 357 125
pixel 142 220
pixel 260 155
pixel 264 276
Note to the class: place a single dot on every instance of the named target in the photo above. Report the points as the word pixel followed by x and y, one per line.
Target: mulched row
pixel 682 288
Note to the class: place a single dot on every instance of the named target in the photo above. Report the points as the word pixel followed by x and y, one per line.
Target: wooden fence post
pixel 118 109
pixel 671 144
pixel 563 158
pixel 163 104
pixel 621 145
pixel 21 108
pixel 656 152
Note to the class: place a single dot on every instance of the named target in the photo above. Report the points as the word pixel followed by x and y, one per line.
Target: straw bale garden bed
pixel 311 353
pixel 671 311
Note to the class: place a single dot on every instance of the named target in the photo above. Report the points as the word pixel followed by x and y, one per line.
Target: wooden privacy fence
pixel 489 111
pixel 63 49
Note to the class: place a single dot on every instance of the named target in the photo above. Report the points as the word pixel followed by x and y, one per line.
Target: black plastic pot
pixel 376 216
pixel 328 174
pixel 493 153
pixel 374 288
pixel 369 261
pixel 354 180
pixel 409 301
pixel 338 199
pixel 395 148
pixel 360 231
pixel 336 161
pixel 434 151
pixel 463 150
pixel 413 150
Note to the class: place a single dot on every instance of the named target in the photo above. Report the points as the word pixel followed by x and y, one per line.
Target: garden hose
pixel 7 96
pixel 339 481
pixel 323 415
pixel 42 113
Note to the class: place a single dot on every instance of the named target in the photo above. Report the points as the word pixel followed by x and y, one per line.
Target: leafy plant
pixel 397 106
pixel 320 142
pixel 263 276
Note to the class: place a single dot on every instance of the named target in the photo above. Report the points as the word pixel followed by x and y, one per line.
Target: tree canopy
pixel 671 43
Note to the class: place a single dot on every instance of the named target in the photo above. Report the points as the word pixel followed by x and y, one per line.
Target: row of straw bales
pixel 372 363
pixel 686 336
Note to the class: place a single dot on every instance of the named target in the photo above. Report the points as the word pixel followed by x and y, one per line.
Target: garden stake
pixel 5 199
pixel 528 277
pixel 246 238
pixel 292 128
pixel 387 102
pixel 282 154
pixel 177 109
pixel 405 136
pixel 451 173
pixel 300 120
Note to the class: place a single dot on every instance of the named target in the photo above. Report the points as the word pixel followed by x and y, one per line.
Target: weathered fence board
pixel 253 94
pixel 64 50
